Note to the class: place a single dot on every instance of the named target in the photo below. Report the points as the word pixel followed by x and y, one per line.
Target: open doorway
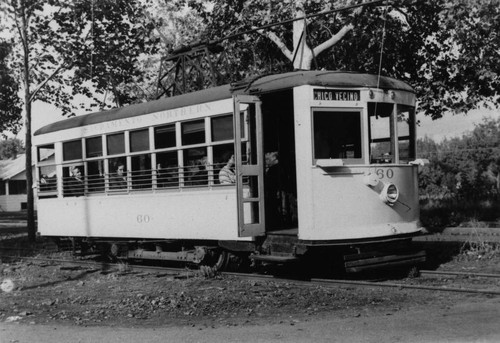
pixel 280 180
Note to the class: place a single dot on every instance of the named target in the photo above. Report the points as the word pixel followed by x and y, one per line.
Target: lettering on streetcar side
pixel 336 95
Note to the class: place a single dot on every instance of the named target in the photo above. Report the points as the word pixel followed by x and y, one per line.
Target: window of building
pixel 2 187
pixel 165 136
pixel 337 135
pixel 193 132
pixel 139 140
pixel 116 144
pixel 72 150
pixel 93 147
pixel 17 187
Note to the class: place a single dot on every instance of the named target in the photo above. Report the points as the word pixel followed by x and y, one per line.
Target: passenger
pixel 274 190
pixel 168 176
pixel 119 179
pixel 76 185
pixel 226 174
pixel 199 173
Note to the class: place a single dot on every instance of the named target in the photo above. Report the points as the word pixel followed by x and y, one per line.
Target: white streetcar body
pixel 323 124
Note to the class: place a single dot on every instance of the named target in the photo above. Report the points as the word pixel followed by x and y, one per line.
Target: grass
pixel 436 214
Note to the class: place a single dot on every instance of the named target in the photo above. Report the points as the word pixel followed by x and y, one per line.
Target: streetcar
pixel 274 169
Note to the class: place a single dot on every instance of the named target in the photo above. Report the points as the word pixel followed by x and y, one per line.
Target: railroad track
pixel 183 273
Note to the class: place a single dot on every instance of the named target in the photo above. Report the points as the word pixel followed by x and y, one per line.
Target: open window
pixel 47 176
pixel 381 132
pixel 392 133
pixel 337 136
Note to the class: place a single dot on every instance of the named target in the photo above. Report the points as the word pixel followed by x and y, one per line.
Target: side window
pixel 45 152
pixel 165 136
pixel 73 181
pixel 95 176
pixel 337 135
pixel 222 128
pixel 141 171
pixel 47 181
pixel 139 140
pixel 72 150
pixel 116 144
pixel 118 176
pixel 222 155
pixel 196 169
pixel 93 147
pixel 193 132
pixel 167 169
pixel 95 169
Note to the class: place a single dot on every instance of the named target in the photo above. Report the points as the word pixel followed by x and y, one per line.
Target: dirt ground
pixel 39 298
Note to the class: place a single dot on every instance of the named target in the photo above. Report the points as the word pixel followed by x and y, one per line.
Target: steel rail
pixel 402 285
pixel 435 272
pixel 106 266
pixel 310 282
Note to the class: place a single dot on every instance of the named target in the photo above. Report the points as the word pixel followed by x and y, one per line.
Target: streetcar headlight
pixel 389 194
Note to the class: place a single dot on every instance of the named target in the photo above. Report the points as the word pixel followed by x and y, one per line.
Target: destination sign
pixel 336 95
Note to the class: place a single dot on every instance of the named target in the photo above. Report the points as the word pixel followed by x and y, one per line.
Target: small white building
pixel 13 195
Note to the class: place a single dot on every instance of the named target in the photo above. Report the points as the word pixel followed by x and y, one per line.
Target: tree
pixel 467 167
pixel 436 46
pixel 10 103
pixel 10 148
pixel 67 48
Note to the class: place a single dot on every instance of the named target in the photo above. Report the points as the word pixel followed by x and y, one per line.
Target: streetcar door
pixel 249 162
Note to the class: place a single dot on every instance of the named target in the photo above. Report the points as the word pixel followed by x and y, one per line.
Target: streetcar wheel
pixel 222 259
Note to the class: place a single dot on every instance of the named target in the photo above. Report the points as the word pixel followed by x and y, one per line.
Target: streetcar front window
pixel 392 133
pixel 380 132
pixel 406 133
pixel 337 135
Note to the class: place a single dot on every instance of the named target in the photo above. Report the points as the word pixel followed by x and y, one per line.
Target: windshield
pixel 391 141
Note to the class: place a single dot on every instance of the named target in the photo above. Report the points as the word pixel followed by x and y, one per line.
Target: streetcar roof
pixel 255 86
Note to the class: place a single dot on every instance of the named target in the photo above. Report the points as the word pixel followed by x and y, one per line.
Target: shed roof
pixel 11 168
pixel 256 85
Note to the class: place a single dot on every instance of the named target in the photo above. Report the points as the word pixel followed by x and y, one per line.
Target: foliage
pixel 10 103
pixel 436 46
pixel 10 148
pixel 83 47
pixel 462 180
